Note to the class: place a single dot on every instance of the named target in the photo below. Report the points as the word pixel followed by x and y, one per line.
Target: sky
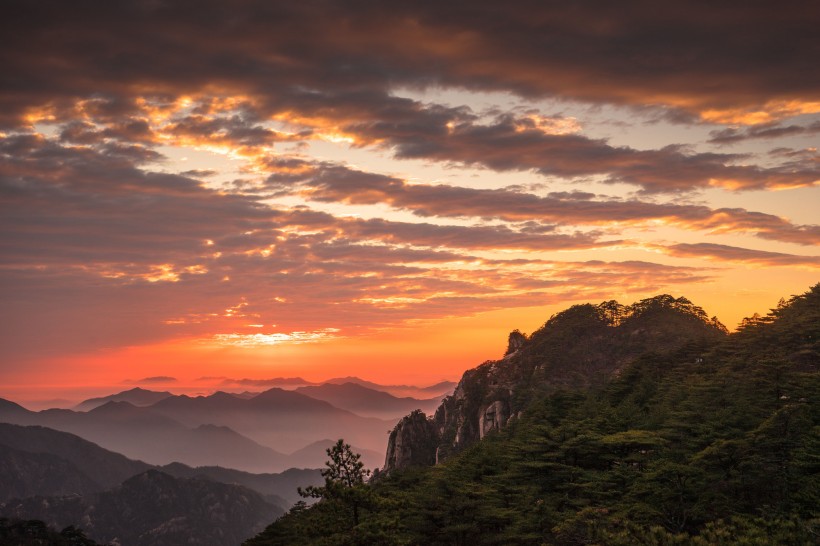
pixel 211 194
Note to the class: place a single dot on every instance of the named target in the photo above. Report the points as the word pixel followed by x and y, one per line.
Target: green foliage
pixel 716 443
pixel 343 498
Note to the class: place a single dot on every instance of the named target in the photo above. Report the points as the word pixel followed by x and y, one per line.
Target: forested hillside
pixel 716 441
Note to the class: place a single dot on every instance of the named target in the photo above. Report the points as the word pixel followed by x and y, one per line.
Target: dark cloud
pixel 199 173
pixel 693 55
pixel 507 146
pixel 233 130
pixel 743 255
pixel 337 183
pixel 334 65
pixel 154 379
pixel 733 135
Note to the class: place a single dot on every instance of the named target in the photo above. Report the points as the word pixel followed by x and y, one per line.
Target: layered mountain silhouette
pixel 151 435
pixel 280 488
pixel 158 509
pixel 365 401
pixel 136 396
pixel 290 383
pixel 26 474
pixel 432 391
pixel 314 455
pixel 64 480
pixel 281 419
pixel 104 468
pixel 145 435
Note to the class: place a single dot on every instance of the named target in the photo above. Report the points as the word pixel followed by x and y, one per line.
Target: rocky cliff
pixel 412 442
pixel 583 346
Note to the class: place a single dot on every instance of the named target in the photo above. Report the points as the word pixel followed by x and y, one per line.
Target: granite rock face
pixel 581 347
pixel 412 442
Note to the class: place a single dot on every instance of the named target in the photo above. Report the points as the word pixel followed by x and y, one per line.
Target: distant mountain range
pixel 280 419
pixel 368 402
pixel 104 468
pixel 136 396
pixel 64 480
pixel 158 509
pixel 439 389
pixel 248 431
pixel 179 428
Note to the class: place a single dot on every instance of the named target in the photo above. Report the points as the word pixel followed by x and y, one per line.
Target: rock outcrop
pixel 412 442
pixel 515 341
pixel 581 347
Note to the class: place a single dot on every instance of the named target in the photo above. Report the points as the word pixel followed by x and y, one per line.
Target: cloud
pixel 276 338
pixel 725 253
pixel 728 61
pixel 336 183
pixel 105 246
pixel 506 145
pixel 292 65
pixel 100 252
pixel 733 135
pixel 149 380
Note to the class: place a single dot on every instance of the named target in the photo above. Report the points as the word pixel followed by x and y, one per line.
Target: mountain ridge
pixel 158 509
pixel 583 346
pixel 682 435
pixel 136 396
pixel 364 401
pixel 47 474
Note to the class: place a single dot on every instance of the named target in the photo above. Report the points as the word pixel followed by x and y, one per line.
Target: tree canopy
pixel 714 443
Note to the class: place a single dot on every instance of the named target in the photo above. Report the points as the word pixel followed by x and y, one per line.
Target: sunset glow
pixel 323 190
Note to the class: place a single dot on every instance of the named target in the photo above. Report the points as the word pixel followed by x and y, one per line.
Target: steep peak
pixel 412 442
pixel 137 396
pixel 114 406
pixel 137 390
pixel 583 346
pixel 515 341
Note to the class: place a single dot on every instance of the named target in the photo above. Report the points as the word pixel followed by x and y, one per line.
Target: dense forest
pixel 716 441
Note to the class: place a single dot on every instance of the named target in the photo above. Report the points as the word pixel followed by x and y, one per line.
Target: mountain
pixel 437 390
pixel 584 346
pixel 27 474
pixel 66 480
pixel 365 401
pixel 314 455
pixel 19 532
pixel 136 396
pixel 140 433
pixel 281 419
pixel 282 486
pixel 656 429
pixel 7 407
pixel 154 508
pixel 38 461
pixel 217 430
pixel 107 468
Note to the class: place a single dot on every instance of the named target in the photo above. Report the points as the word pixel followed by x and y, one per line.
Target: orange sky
pixel 325 190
